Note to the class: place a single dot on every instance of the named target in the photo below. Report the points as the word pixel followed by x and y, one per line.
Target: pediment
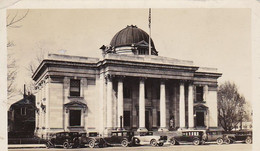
pixel 75 104
pixel 200 107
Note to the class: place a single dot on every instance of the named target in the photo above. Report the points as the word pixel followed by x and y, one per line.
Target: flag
pixel 149 18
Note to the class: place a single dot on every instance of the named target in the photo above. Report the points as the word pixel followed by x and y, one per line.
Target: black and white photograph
pixel 145 77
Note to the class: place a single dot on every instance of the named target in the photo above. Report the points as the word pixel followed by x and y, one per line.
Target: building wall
pixel 212 104
pixel 55 106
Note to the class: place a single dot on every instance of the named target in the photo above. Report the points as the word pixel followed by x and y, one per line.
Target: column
pixel 182 106
pixel 162 107
pixel 141 106
pixel 66 122
pixel 120 107
pixel 205 92
pixel 190 106
pixel 109 103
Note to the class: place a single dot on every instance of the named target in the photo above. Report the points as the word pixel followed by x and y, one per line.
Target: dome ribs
pixel 130 35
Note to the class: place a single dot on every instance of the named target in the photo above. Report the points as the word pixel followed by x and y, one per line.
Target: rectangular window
pixel 158 118
pixel 126 118
pixel 23 111
pixel 199 94
pixel 75 117
pixel 74 87
pixel 126 91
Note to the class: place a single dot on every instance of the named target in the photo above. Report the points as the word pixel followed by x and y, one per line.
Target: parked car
pixel 197 137
pixel 63 139
pixel 91 139
pixel 119 137
pixel 216 136
pixel 244 135
pixel 148 138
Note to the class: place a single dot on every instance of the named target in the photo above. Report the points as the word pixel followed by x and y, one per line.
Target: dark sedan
pixel 197 137
pixel 243 135
pixel 119 137
pixel 64 139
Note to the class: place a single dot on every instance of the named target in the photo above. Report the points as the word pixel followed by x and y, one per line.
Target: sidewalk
pixel 13 146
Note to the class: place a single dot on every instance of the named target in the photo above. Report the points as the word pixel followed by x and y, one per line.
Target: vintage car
pixel 216 136
pixel 243 135
pixel 91 139
pixel 148 138
pixel 119 137
pixel 197 137
pixel 63 139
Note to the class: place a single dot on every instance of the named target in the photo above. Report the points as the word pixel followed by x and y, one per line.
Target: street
pixel 211 147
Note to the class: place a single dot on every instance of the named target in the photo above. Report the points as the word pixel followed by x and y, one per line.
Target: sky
pixel 211 37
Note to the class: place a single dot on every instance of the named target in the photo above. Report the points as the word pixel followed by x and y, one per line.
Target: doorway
pixel 200 118
pixel 147 124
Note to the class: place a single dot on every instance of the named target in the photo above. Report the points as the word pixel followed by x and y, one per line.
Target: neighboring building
pixel 148 92
pixel 21 117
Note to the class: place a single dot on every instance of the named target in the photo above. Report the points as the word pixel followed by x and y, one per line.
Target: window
pixel 158 118
pixel 126 91
pixel 126 118
pixel 74 87
pixel 143 52
pixel 75 117
pixel 199 94
pixel 23 111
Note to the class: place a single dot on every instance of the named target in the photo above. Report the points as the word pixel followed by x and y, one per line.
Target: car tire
pixel 153 142
pixel 160 144
pixel 248 140
pixel 136 141
pixel 124 143
pixel 220 141
pixel 196 142
pixel 202 142
pixel 66 145
pixel 48 145
pixel 173 141
pixel 91 144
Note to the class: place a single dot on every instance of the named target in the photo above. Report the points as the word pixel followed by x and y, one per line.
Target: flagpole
pixel 150 51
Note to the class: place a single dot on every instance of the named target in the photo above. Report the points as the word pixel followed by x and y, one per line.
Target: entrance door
pixel 147 125
pixel 200 118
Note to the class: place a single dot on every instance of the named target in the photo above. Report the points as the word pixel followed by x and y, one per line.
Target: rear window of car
pixel 114 134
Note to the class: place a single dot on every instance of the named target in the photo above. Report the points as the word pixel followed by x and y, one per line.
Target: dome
pixel 129 36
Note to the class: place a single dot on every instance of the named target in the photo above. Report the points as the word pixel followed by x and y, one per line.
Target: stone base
pixel 163 129
pixel 142 129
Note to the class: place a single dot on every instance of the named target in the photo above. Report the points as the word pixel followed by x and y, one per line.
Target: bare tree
pixel 11 76
pixel 230 106
pixel 12 22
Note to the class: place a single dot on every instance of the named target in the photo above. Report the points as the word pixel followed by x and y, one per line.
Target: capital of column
pixel 108 78
pixel 142 78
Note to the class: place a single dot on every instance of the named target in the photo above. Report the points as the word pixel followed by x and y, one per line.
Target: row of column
pixel 142 105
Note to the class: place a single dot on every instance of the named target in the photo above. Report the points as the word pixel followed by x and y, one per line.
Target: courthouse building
pixel 130 88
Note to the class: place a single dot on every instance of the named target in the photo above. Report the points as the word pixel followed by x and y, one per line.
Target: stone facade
pixel 137 92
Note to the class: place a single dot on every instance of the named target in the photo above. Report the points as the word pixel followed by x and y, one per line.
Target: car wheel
pixel 91 144
pixel 196 142
pixel 160 144
pixel 202 142
pixel 219 141
pixel 228 141
pixel 48 145
pixel 249 140
pixel 153 142
pixel 124 143
pixel 173 141
pixel 136 141
pixel 66 145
